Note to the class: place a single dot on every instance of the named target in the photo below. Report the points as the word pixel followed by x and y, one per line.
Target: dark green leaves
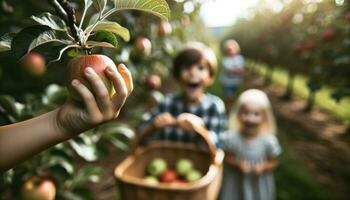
pixel 51 21
pixel 22 41
pixel 103 38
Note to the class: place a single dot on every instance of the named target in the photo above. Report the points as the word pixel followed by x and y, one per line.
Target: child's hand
pixel 258 169
pixel 98 107
pixel 164 120
pixel 190 122
pixel 245 167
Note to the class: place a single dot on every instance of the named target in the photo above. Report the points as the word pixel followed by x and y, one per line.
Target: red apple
pixel 37 188
pixel 76 71
pixel 34 64
pixel 143 45
pixel 168 176
pixel 180 181
pixel 328 34
pixel 347 16
pixel 153 81
pixel 310 45
pixel 299 49
pixel 164 28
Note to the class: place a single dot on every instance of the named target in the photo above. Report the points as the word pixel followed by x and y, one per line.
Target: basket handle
pixel 202 131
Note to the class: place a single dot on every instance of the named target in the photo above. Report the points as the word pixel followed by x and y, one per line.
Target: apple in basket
pixel 193 175
pixel 151 179
pixel 157 166
pixel 168 176
pixel 183 166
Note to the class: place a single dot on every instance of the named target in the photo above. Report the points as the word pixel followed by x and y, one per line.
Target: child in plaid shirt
pixel 191 109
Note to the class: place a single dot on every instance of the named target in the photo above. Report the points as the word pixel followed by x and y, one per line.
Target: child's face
pixel 231 50
pixel 194 80
pixel 251 117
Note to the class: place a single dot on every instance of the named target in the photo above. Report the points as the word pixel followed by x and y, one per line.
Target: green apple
pixel 157 167
pixel 151 179
pixel 183 166
pixel 193 175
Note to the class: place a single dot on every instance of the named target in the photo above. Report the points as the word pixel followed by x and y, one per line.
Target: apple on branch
pixel 37 188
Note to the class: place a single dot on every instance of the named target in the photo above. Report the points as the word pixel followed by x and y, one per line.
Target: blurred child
pixel 251 148
pixel 232 71
pixel 190 109
pixel 21 140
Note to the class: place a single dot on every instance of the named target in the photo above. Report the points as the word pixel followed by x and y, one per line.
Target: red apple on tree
pixel 328 34
pixel 164 28
pixel 143 45
pixel 66 33
pixel 347 16
pixel 96 62
pixel 34 64
pixel 153 81
pixel 37 188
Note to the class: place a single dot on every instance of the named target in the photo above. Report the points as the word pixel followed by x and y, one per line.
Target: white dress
pixel 237 186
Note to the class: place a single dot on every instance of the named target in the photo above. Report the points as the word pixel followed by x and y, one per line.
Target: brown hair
pixel 194 53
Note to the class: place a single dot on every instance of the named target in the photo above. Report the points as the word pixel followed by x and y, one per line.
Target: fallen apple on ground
pixel 37 188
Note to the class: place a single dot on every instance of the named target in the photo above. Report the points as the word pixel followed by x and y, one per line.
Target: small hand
pixel 190 122
pixel 98 107
pixel 258 169
pixel 244 167
pixel 164 120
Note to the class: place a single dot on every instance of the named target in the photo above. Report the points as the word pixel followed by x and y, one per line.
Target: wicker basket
pixel 130 172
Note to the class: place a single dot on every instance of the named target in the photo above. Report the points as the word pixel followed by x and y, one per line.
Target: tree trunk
pixel 310 102
pixel 290 89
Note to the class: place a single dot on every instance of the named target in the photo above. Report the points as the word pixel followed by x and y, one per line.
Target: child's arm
pixel 21 140
pixel 242 166
pixel 267 166
pixel 161 121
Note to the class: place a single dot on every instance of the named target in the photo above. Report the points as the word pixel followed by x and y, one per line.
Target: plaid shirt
pixel 211 110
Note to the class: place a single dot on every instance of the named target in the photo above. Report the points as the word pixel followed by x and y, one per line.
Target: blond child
pixel 232 71
pixel 251 148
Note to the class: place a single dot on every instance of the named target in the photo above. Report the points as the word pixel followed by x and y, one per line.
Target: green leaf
pixel 159 8
pixel 51 21
pixel 25 37
pixel 100 5
pixel 5 41
pixel 88 173
pixel 46 37
pixel 9 104
pixel 85 147
pixel 87 3
pixel 99 38
pixel 114 27
pixel 92 44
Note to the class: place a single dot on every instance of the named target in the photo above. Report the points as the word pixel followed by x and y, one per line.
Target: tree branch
pixel 69 16
pixel 59 10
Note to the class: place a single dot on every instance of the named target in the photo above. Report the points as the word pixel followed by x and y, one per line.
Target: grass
pixel 292 180
pixel 323 100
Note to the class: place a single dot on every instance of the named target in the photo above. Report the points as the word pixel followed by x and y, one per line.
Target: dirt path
pixel 316 138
